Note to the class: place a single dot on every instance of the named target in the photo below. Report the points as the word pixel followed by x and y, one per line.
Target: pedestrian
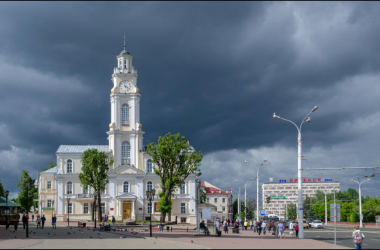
pixel 291 229
pixel 242 224
pixel 281 229
pixel 296 229
pixel 24 220
pixel 54 222
pixel 269 226
pixel 357 237
pixel 258 227
pixel 264 227
pixel 114 223
pixel 38 222
pixel 255 226
pixel 43 219
pixel 225 226
pixel 250 224
pixel 228 221
pixel 276 229
pixel 217 226
pixel 32 217
pixel 245 225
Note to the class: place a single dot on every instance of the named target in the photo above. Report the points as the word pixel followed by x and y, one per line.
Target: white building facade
pixel 130 176
pixel 286 191
pixel 223 200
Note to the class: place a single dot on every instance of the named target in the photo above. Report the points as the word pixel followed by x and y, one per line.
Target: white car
pixel 316 224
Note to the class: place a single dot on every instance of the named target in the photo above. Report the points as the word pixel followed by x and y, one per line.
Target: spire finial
pixel 124 40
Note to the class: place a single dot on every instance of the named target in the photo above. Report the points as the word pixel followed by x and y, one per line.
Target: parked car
pixel 317 224
pixel 305 224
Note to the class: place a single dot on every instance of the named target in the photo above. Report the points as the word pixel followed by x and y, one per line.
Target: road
pixel 343 236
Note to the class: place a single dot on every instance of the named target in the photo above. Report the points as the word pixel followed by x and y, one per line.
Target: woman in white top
pixel 291 228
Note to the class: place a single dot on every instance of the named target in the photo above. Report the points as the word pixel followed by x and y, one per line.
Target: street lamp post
pixel 95 210
pixel 68 212
pixel 150 196
pixel 27 185
pixel 300 193
pixel 360 200
pixel 245 199
pixel 258 197
pixel 7 222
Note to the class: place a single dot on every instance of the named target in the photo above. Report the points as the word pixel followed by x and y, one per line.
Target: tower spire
pixel 124 40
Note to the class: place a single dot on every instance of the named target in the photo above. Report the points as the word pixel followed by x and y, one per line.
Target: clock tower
pixel 125 135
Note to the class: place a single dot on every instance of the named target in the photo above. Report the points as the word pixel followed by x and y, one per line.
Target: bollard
pixel 187 229
pixel 171 229
pixel 167 228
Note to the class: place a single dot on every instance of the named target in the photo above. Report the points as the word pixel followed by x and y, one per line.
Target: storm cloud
pixel 213 71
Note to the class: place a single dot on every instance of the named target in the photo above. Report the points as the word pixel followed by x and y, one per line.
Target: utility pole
pixel 334 218
pixel 325 208
pixel 360 200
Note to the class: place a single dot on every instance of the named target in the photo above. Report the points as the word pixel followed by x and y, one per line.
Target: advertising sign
pixel 308 180
pixel 262 211
pixel 206 214
pixel 156 207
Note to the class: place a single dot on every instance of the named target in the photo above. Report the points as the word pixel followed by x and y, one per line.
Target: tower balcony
pixel 126 161
pixel 124 70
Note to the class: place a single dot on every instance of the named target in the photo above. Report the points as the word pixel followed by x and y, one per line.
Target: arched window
pixel 125 150
pixel 125 63
pixel 120 63
pixel 149 166
pixel 149 186
pixel 125 114
pixel 126 187
pixel 69 187
pixel 69 166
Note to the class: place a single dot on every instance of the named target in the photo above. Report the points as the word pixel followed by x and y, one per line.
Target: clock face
pixel 125 86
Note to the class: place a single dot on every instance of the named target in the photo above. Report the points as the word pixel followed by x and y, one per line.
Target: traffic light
pixel 268 199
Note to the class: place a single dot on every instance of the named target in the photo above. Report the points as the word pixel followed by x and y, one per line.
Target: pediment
pixel 126 169
pixel 127 196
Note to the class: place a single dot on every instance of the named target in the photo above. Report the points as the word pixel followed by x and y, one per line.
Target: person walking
pixel 357 237
pixel 242 224
pixel 281 231
pixel 264 227
pixel 255 226
pixel 245 225
pixel 24 220
pixel 32 217
pixel 296 228
pixel 228 221
pixel 38 222
pixel 250 224
pixel 225 226
pixel 276 228
pixel 291 229
pixel 114 223
pixel 54 222
pixel 259 227
pixel 217 226
pixel 43 219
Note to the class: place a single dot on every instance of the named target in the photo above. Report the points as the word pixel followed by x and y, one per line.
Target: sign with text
pixel 262 211
pixel 277 197
pixel 307 180
pixel 333 208
pixel 206 214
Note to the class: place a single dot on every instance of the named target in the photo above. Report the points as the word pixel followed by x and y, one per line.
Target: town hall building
pixel 131 175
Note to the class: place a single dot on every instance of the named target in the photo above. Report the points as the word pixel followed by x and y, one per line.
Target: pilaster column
pixel 59 203
pixel 133 149
pixel 119 209
pixel 133 210
pixel 133 113
pixel 118 150
pixel 117 113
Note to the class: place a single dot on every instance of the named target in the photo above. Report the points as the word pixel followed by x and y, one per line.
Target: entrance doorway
pixel 127 210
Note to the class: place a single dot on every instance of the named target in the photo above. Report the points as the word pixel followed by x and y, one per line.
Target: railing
pixel 125 122
pixel 126 161
pixel 124 70
pixel 85 196
pixel 47 190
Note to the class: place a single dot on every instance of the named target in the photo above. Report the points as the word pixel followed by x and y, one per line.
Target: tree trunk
pixel 163 215
pixel 170 216
pixel 99 207
pixel 93 209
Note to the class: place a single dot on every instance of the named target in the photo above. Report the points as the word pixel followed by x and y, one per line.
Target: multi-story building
pixel 130 176
pixel 285 192
pixel 221 199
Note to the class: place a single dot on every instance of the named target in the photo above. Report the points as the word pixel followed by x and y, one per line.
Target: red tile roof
pixel 215 190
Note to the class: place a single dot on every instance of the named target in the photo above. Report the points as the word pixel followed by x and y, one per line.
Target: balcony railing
pixel 124 70
pixel 126 161
pixel 85 196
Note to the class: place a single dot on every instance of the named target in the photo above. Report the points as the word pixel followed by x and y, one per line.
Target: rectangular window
pixel 85 208
pixel 103 207
pixel 224 200
pixel 183 208
pixel 70 208
pixel 183 219
pixel 49 203
pixel 182 191
pixel 49 184
pixel 223 208
pixel 208 200
pixel 149 208
pixel 215 200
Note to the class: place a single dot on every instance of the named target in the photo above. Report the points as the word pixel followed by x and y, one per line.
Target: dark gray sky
pixel 213 71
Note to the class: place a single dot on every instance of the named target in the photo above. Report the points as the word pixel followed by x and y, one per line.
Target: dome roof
pixel 124 52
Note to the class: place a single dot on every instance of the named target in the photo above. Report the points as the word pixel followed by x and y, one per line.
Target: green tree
pixel 174 161
pixel 1 190
pixel 51 165
pixel 23 198
pixel 291 212
pixel 251 208
pixel 235 208
pixel 95 166
pixel 203 196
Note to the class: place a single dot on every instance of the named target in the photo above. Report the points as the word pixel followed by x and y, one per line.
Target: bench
pixel 105 228
pixel 81 224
